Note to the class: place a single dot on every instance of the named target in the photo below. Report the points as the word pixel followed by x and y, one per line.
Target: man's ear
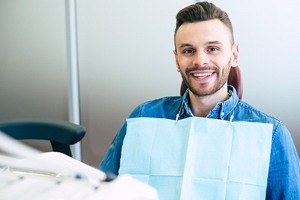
pixel 235 55
pixel 176 60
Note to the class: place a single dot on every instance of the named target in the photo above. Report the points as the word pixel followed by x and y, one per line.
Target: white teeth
pixel 201 75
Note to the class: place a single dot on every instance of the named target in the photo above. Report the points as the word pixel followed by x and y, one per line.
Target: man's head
pixel 202 11
pixel 205 49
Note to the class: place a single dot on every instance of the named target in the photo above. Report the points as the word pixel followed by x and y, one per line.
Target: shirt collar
pixel 222 110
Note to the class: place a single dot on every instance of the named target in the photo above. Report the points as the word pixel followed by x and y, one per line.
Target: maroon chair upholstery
pixel 234 79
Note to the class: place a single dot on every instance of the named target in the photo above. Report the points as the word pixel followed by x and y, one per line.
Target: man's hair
pixel 202 11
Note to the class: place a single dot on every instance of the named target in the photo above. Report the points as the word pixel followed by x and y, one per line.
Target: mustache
pixel 199 68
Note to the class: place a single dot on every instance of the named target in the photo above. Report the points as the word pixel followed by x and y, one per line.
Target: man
pixel 205 51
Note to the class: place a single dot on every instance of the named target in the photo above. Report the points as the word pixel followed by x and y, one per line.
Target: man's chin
pixel 200 93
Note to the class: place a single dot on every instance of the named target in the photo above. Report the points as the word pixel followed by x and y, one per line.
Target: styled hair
pixel 202 11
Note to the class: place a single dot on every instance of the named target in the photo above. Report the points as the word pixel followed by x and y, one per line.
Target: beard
pixel 222 77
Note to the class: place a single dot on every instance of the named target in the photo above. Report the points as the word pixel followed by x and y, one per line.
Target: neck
pixel 202 105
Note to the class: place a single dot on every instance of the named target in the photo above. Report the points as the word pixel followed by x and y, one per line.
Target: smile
pixel 202 75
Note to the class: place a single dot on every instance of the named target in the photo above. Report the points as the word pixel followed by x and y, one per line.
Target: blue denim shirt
pixel 284 170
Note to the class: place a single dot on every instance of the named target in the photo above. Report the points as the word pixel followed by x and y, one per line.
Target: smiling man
pixel 206 144
pixel 204 55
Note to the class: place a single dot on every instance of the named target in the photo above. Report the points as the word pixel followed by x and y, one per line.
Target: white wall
pixel 32 58
pixel 125 58
pixel 33 80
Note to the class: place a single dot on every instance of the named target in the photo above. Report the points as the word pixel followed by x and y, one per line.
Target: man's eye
pixel 188 51
pixel 213 49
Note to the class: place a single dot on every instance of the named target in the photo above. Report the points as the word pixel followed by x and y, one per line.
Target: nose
pixel 200 58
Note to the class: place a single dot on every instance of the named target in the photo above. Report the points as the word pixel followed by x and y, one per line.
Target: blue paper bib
pixel 198 158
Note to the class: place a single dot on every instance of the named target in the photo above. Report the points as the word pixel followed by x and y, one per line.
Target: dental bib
pixel 198 158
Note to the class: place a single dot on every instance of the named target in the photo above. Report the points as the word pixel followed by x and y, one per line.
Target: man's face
pixel 204 55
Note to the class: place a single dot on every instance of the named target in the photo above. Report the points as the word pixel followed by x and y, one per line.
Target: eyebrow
pixel 207 43
pixel 214 42
pixel 184 45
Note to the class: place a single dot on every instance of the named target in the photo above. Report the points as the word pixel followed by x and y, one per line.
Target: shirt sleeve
pixel 284 171
pixel 111 160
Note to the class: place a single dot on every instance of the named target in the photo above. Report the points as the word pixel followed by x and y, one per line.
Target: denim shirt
pixel 284 169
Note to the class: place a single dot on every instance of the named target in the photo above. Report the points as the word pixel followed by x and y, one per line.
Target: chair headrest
pixel 234 79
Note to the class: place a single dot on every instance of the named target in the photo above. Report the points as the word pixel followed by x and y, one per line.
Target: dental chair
pixel 61 134
pixel 234 79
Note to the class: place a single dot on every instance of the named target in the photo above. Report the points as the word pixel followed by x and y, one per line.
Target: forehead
pixel 203 32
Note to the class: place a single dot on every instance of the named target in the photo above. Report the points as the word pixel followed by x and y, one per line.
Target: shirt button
pixel 222 113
